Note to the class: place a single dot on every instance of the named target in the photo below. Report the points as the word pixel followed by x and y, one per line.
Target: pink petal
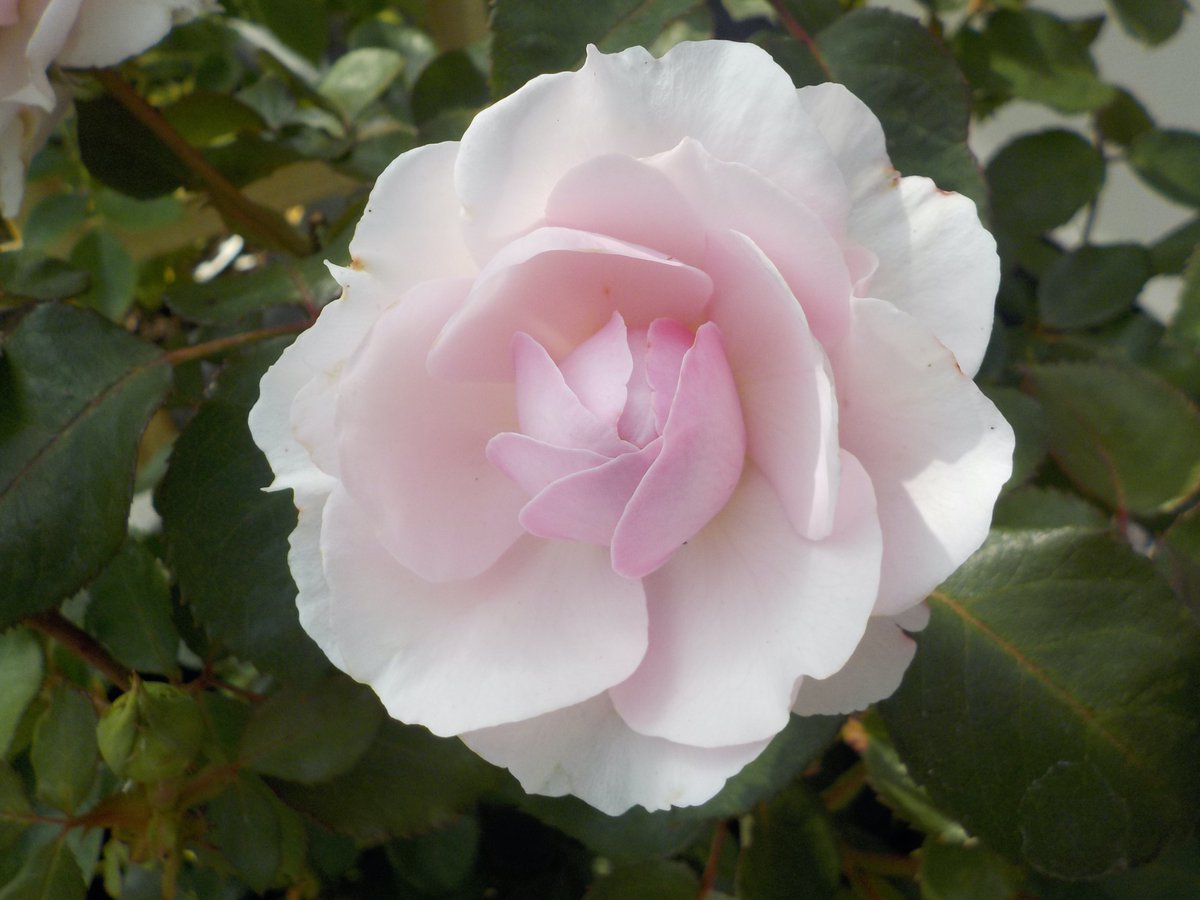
pixel 629 200
pixel 560 287
pixel 732 98
pixel 783 380
pixel 598 370
pixel 548 626
pixel 533 464
pixel 703 451
pixel 586 506
pixel 935 447
pixel 935 260
pixel 800 244
pixel 411 448
pixel 746 608
pixel 871 674
pixel 667 342
pixel 587 750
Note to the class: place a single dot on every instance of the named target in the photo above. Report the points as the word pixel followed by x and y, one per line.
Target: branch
pixel 220 345
pixel 800 33
pixel 54 624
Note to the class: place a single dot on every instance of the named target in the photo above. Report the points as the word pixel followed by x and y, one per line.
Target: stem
pixel 709 878
pixel 239 211
pixel 54 624
pixel 798 31
pixel 842 792
pixel 220 345
pixel 886 864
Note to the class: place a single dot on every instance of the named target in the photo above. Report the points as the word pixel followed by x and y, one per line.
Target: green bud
pixel 150 733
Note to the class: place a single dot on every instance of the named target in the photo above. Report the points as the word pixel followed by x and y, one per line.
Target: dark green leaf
pixel 53 219
pixel 301 24
pixel 1121 434
pixel 130 611
pixel 449 82
pixel 1045 60
pixel 1029 423
pixel 204 117
pixel 1040 180
pixel 30 275
pixel 311 734
pixel 958 872
pixel 227 539
pixel 408 781
pixel 112 270
pixel 1169 161
pixel 531 37
pixel 21 672
pixel 1123 119
pixel 439 860
pixel 791 852
pixel 1039 507
pixel 48 873
pixel 245 829
pixel 75 394
pixel 814 15
pixel 1170 254
pixel 64 754
pixel 1093 285
pixel 793 57
pixel 1185 326
pixel 14 805
pixel 911 82
pixel 124 154
pixel 1052 704
pixel 1181 557
pixel 357 79
pixel 1150 21
pixel 652 880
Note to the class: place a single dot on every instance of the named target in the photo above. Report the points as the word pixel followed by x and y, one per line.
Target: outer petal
pixel 935 447
pixel 872 673
pixel 391 254
pixel 109 31
pixel 783 381
pixel 561 287
pixel 732 98
pixel 936 261
pixel 503 647
pixel 791 607
pixel 28 48
pixel 412 448
pixel 588 751
pixel 304 559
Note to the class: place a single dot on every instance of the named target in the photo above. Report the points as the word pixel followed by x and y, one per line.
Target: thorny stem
pixel 798 31
pixel 240 212
pixel 54 624
pixel 709 878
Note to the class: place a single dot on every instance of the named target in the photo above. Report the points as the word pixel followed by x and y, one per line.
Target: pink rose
pixel 644 419
pixel 34 34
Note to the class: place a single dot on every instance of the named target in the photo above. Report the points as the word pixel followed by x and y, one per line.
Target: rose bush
pixel 645 418
pixel 35 34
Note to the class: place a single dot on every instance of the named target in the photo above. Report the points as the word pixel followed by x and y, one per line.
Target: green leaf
pixel 659 879
pixel 227 539
pixel 124 154
pixel 910 81
pixel 130 612
pixel 1052 703
pixel 48 873
pixel 1169 161
pixel 1045 61
pixel 958 872
pixel 1123 119
pixel 1170 254
pixel 791 852
pixel 205 117
pixel 1029 422
pixel 531 37
pixel 13 805
pixel 311 734
pixel 75 394
pixel 1181 557
pixel 1039 181
pixel 814 15
pixel 1092 285
pixel 449 82
pixel 1121 434
pixel 27 274
pixel 152 732
pixel 1150 21
pixel 113 273
pixel 1041 507
pixel 54 218
pixel 1185 326
pixel 437 861
pixel 64 753
pixel 245 828
pixel 359 77
pixel 21 673
pixel 408 781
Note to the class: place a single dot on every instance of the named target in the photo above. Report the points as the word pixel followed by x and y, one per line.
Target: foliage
pixel 167 728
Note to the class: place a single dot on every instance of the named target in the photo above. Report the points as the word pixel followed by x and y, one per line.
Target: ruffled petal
pixel 312 590
pixel 784 383
pixel 791 607
pixel 534 464
pixel 936 448
pixel 872 673
pixel 732 98
pixel 412 448
pixel 703 451
pixel 598 370
pixel 588 751
pixel 560 287
pixel 935 260
pixel 549 625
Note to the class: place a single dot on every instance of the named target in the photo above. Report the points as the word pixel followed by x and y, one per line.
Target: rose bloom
pixel 76 33
pixel 645 418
